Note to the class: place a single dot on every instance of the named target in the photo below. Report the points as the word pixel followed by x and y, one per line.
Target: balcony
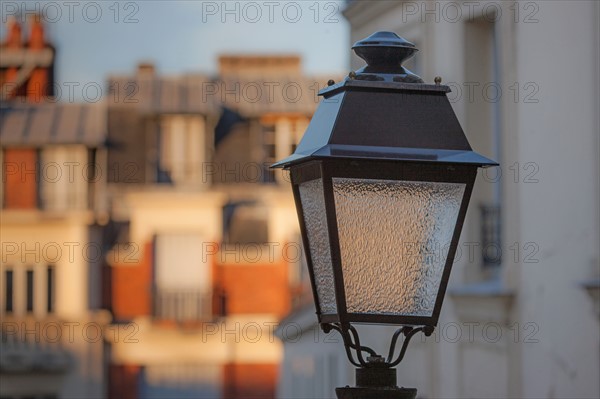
pixel 26 346
pixel 182 306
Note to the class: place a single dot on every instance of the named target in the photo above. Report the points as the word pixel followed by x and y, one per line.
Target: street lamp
pixel 381 179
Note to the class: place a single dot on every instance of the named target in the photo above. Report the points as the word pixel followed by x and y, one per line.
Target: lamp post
pixel 382 179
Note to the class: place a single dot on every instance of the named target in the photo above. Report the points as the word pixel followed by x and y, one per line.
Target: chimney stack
pixel 36 33
pixel 14 34
pixel 145 69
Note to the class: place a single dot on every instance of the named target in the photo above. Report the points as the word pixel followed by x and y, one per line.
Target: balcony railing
pixel 182 305
pixel 27 346
pixel 491 235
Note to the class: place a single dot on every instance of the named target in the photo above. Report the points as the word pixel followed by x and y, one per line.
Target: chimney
pixel 13 37
pixel 36 36
pixel 145 69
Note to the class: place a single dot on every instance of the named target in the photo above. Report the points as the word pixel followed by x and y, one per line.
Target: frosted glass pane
pixel 315 220
pixel 394 240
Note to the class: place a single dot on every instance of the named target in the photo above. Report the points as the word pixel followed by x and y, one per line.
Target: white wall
pixel 560 213
pixel 549 75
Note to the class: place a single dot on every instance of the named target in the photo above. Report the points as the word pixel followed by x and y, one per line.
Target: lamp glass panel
pixel 315 221
pixel 394 241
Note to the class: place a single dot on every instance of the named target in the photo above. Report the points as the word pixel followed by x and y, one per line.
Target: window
pixel 182 150
pixel 484 128
pixel 8 291
pixel 245 223
pixel 50 289
pixel 63 179
pixel 25 288
pixel 29 291
pixel 280 139
pixel 490 235
pixel 183 279
pixel 270 152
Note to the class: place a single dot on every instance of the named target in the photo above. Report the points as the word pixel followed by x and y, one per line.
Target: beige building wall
pixel 68 341
pixel 232 339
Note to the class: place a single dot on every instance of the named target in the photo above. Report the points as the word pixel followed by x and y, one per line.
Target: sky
pixel 97 38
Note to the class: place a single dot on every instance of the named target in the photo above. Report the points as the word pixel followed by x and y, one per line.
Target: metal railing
pixel 33 345
pixel 491 249
pixel 182 305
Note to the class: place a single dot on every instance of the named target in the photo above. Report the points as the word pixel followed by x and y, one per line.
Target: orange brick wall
pixel 256 288
pixel 132 285
pixel 247 288
pixel 247 380
pixel 19 179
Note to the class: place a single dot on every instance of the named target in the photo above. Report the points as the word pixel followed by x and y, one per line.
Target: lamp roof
pixel 384 112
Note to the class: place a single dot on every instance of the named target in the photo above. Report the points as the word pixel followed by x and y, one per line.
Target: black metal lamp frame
pixel 326 170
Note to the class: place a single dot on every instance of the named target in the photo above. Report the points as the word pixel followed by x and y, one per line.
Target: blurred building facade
pixel 207 257
pixel 147 248
pixel 51 337
pixel 521 317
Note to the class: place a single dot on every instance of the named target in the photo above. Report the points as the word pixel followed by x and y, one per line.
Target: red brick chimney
pixel 32 77
pixel 36 35
pixel 38 83
pixel 13 42
pixel 13 37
